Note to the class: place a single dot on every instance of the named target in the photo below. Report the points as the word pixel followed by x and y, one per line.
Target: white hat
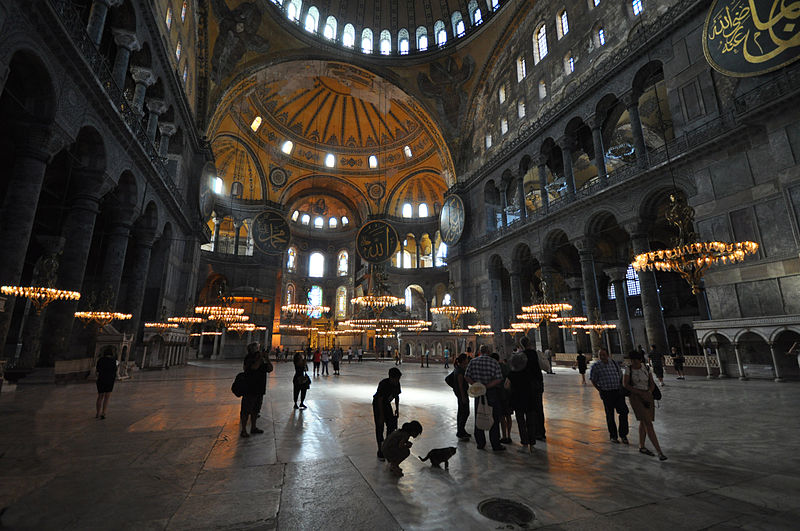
pixel 477 389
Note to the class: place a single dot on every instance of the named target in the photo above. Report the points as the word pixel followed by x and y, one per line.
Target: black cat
pixel 439 456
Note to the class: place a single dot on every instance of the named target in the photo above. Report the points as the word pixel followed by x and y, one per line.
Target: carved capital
pixel 574 283
pixel 616 273
pixel 142 75
pixel 594 121
pixel 584 246
pixel 157 107
pixel 567 142
pixel 126 39
pixel 539 160
pixel 41 142
pixel 630 99
pixel 167 129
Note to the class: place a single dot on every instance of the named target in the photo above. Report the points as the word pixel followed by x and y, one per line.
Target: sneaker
pixel 464 435
pixel 303 406
pixel 662 457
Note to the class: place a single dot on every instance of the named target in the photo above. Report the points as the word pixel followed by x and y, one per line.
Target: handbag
pixel 450 379
pixel 483 415
pixel 305 383
pixel 239 387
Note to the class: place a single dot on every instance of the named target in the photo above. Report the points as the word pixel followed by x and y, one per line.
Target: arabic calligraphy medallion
pixel 376 241
pixel 271 232
pixel 451 219
pixel 744 38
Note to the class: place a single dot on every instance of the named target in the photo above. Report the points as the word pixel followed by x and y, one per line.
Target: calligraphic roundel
pixel 271 232
pixel 744 38
pixel 376 241
pixel 451 219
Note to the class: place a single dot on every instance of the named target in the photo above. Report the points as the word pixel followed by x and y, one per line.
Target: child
pixel 396 446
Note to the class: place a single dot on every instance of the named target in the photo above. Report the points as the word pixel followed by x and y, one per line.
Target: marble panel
pixel 760 298
pixel 773 222
pixel 790 288
pixel 731 175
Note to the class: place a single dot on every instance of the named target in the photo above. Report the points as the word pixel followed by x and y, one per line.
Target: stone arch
pixel 29 94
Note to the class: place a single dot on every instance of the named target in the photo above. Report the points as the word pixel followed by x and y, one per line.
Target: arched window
pixel 290 294
pixel 488 140
pixel 637 7
pixel 542 90
pixel 458 24
pixel 522 69
pixel 316 265
pixel 423 210
pixel 168 18
pixel 407 151
pixel 386 42
pixel 540 44
pixel 314 298
pixel 237 189
pixel 330 160
pixel 441 255
pixel 440 32
pixel 345 221
pixel 366 40
pixel 183 12
pixel 601 36
pixel 562 24
pixel 342 263
pixel 631 284
pixel 332 223
pixel 291 259
pixel 185 76
pixel 569 63
pixel 403 260
pixel 408 210
pixel 494 4
pixel 341 302
pixel 178 49
pixel 474 12
pixel 305 219
pixel 501 94
pixel 295 215
pixel 287 147
pixel 255 124
pixel 312 20
pixel 402 41
pixel 318 222
pixel 293 10
pixel 373 161
pixel 446 300
pixel 407 296
pixel 330 28
pixel 521 109
pixel 422 38
pixel 349 36
pixel 503 126
pixel 218 185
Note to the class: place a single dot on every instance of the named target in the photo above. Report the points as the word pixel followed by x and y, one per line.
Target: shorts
pixel 639 409
pixel 251 405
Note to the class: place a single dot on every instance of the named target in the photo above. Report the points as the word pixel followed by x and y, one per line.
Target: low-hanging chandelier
pixel 102 318
pixel 40 296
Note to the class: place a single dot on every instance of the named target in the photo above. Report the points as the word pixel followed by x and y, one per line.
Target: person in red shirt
pixel 317 360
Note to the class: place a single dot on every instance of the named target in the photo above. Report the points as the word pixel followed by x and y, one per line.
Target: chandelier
pixel 241 328
pixel 378 303
pixel 40 296
pixel 186 321
pixel 546 308
pixel 569 322
pixel 453 311
pixel 219 310
pixel 160 326
pixel 689 257
pixel 297 308
pixel 458 331
pixel 102 318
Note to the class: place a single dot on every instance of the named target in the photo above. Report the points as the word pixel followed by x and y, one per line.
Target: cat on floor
pixel 438 456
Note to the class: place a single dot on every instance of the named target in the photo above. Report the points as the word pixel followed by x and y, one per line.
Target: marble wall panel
pixel 731 175
pixel 743 224
pixel 794 198
pixel 716 228
pixel 793 135
pixel 723 302
pixel 760 298
pixel 775 228
pixel 790 288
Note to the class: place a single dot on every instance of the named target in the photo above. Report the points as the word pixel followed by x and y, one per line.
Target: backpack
pixel 239 387
pixel 450 379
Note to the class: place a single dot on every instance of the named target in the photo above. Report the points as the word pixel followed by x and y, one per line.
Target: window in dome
pixel 441 34
pixel 474 12
pixel 314 298
pixel 278 2
pixel 287 147
pixel 596 2
pixel 504 126
pixel 488 141
pixel 330 160
pixel 477 19
pixel 312 20
pixel 402 41
pixel 521 109
pixel 501 94
pixel 366 40
pixel 345 221
pixel 178 49
pixel 601 37
pixel 183 12
pixel 342 263
pixel 293 10
pixel 407 151
pixel 319 222
pixel 316 265
pixel 349 36
pixel 562 24
pixel 341 302
pixel 540 46
pixel 522 70
pixel 218 185
pixel 168 18
pixel 237 189
pixel 542 90
pixel 441 255
pixel 423 210
pixel 185 75
pixel 458 24
pixel 255 124
pixel 494 4
pixel 295 215
pixel 291 259
pixel 330 28
pixel 332 223
pixel 373 161
pixel 290 294
pixel 408 210
pixel 305 219
pixel 422 39
pixel 446 300
pixel 386 42
pixel 569 64
pixel 637 7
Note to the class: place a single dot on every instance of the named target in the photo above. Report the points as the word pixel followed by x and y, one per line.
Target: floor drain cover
pixel 506 511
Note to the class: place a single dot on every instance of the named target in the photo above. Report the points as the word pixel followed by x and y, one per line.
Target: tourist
pixel 549 355
pixel 606 376
pixel 325 358
pixel 317 360
pixel 336 358
pixel 657 362
pixel 388 390
pixel 349 355
pixel 527 397
pixel 485 370
pixel 446 358
pixel 106 369
pixel 360 354
pixel 256 365
pixel 397 446
pixel 301 382
pixel 580 362
pixel 505 417
pixel 397 359
pixel 460 389
pixel 639 382
pixel 677 362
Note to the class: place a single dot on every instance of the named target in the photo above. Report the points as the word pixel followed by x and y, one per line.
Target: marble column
pixel 117 240
pixel 156 108
pixel 126 42
pixel 33 151
pixel 167 130
pixel 618 276
pixel 78 229
pixel 596 124
pixel 775 362
pixel 144 78
pixel 215 242
pixel 590 294
pixel 555 339
pixel 97 19
pixel 542 167
pixel 651 301
pixel 504 204
pixel 523 207
pixel 142 248
pixel 631 101
pixel 516 293
pixel 237 226
pixel 575 285
pixel 742 375
pixel 567 145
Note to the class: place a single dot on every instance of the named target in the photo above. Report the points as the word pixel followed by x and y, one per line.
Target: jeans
pixel 614 400
pixel 324 367
pixel 530 418
pixel 493 398
pixel 462 416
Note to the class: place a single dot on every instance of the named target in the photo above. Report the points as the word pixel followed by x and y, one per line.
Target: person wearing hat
pixel 639 381
pixel 486 371
pixel 388 390
pixel 606 375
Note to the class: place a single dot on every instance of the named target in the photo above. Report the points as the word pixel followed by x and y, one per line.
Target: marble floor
pixel 169 457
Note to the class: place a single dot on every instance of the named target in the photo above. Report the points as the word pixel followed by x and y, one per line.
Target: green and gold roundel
pixel 271 232
pixel 744 38
pixel 451 220
pixel 376 241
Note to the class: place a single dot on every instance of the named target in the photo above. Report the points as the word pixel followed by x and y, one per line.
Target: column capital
pixel 574 283
pixel 156 106
pixel 237 223
pixel 144 237
pixel 616 273
pixel 167 129
pixel 584 245
pixel 539 160
pixel 41 142
pixel 630 99
pixel 142 75
pixel 566 142
pixel 594 121
pixel 126 39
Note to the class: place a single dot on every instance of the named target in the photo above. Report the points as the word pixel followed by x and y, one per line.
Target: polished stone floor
pixel 169 457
